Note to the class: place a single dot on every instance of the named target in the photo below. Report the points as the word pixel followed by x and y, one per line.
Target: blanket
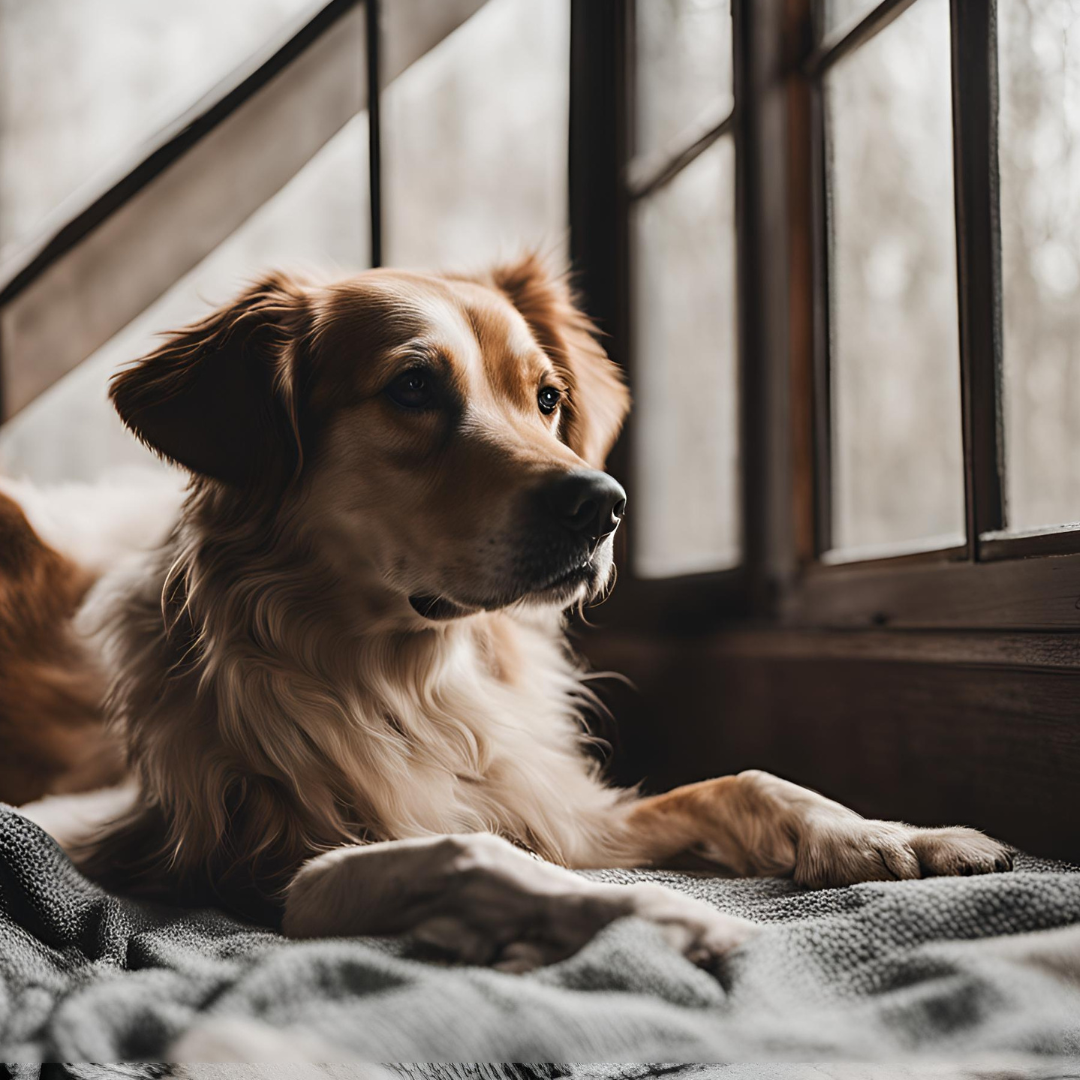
pixel 948 969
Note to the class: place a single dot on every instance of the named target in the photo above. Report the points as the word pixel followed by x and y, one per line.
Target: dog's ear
pixel 598 398
pixel 219 397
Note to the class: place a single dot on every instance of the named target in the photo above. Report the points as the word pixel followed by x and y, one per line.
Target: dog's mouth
pixel 439 608
pixel 556 588
pixel 567 582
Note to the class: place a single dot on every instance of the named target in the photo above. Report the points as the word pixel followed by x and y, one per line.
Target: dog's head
pixel 447 433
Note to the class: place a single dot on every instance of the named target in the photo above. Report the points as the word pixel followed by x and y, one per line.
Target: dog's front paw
pixel 957 850
pixel 702 934
pixel 570 920
pixel 835 853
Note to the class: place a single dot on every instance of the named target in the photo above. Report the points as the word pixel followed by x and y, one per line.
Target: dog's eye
pixel 549 398
pixel 411 390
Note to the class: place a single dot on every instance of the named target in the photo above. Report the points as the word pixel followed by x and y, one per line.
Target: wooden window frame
pixel 995 580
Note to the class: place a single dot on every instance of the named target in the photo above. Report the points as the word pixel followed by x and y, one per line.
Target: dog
pixel 343 684
pixel 52 737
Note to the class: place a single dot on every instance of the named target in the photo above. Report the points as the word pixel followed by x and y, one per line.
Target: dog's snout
pixel 589 503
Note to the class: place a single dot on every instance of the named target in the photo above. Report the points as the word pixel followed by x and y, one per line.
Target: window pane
pixel 684 503
pixel 84 82
pixel 842 14
pixel 474 140
pixel 1039 152
pixel 317 222
pixel 683 67
pixel 897 453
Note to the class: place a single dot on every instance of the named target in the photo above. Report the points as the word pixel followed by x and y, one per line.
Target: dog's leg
pixel 755 823
pixel 487 902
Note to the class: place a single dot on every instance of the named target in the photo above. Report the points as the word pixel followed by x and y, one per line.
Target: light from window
pixel 1039 155
pixel 83 84
pixel 685 500
pixel 683 68
pixel 897 451
pixel 474 141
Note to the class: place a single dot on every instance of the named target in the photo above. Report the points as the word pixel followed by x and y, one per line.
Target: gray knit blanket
pixel 942 970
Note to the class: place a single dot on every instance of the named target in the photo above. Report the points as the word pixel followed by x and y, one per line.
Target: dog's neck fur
pixel 254 684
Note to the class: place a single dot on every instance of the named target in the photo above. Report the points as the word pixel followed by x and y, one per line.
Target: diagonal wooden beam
pixel 194 185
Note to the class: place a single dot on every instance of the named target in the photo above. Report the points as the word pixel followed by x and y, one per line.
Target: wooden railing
pixel 93 270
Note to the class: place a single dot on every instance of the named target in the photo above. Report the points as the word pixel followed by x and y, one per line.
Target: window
pixel 1038 55
pixel 894 345
pixel 474 175
pixel 941 292
pixel 681 182
pixel 854 273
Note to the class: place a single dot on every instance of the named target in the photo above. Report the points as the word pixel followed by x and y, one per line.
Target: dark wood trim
pixel 648 174
pixel 597 155
pixel 801 270
pixel 978 248
pixel 821 381
pixel 1063 540
pixel 846 40
pixel 761 30
pixel 894 558
pixel 171 144
pixel 1015 594
pixel 949 648
pixel 600 132
pixel 373 41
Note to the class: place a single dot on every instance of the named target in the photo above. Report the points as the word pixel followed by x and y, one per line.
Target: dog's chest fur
pixel 463 728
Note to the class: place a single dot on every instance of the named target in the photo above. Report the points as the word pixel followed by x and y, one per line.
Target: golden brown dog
pixel 343 682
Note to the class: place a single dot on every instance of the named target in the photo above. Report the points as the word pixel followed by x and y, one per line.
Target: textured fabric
pixel 876 972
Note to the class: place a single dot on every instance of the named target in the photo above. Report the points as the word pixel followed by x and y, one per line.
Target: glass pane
pixel 684 503
pixel 317 223
pixel 683 67
pixel 474 141
pixel 842 14
pixel 1039 153
pixel 897 456
pixel 84 82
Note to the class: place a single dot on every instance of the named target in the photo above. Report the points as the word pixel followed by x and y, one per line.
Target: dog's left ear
pixel 598 399
pixel 219 397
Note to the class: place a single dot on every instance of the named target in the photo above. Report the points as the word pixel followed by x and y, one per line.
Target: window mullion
pixel 373 39
pixel 978 240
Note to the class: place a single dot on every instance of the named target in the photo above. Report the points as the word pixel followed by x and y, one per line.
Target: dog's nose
pixel 589 503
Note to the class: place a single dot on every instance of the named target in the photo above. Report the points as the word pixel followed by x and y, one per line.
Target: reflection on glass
pixel 84 82
pixel 684 503
pixel 683 69
pixel 897 455
pixel 317 223
pixel 1039 153
pixel 474 141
